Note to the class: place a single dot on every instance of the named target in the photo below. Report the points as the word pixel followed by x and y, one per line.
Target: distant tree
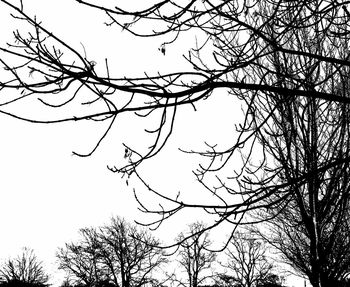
pixel 24 270
pixel 81 260
pixel 119 254
pixel 18 283
pixel 246 264
pixel 224 280
pixel 194 255
pixel 68 283
pixel 271 280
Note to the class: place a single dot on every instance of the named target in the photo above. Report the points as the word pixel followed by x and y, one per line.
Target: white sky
pixel 46 194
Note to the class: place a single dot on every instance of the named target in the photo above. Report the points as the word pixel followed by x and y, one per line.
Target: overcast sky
pixel 46 193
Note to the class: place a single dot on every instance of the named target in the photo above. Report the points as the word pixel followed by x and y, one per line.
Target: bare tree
pixel 287 231
pixel 305 144
pixel 265 54
pixel 24 270
pixel 118 253
pixel 286 61
pixel 247 264
pixel 195 256
pixel 293 242
pixel 135 253
pixel 81 261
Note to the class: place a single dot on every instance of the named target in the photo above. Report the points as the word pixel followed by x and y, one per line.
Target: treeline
pixel 120 254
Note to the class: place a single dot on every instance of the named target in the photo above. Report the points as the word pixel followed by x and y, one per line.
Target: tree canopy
pixel 119 254
pixel 25 270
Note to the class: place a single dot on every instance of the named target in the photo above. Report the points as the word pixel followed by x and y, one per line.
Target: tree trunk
pixel 313 195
